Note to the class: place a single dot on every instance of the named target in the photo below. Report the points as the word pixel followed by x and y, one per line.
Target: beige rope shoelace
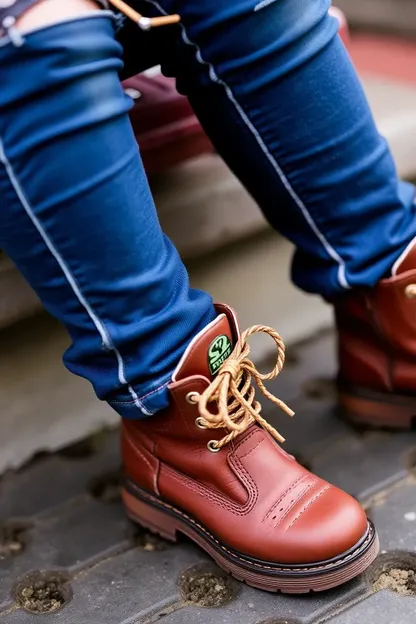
pixel 233 392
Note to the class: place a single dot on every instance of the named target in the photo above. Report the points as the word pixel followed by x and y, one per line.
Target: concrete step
pixel 388 15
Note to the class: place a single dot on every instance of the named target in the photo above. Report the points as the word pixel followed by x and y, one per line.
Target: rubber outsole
pixel 167 521
pixel 379 410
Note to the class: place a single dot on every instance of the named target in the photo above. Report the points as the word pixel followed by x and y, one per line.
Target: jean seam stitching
pixel 342 279
pixel 6 39
pixel 98 323
pixel 145 396
pixel 263 4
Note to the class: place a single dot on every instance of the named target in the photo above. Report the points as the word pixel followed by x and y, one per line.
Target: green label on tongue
pixel 219 350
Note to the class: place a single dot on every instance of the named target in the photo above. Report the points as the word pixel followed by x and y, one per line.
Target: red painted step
pixel 384 55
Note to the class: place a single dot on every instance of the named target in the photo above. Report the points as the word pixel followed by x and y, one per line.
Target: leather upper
pixel 251 495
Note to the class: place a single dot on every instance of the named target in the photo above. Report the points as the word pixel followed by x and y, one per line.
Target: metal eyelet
pixel 200 423
pixel 410 291
pixel 213 447
pixel 192 398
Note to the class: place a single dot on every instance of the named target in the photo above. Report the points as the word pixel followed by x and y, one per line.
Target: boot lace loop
pixel 233 391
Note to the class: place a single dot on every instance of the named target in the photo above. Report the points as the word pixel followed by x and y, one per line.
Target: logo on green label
pixel 218 352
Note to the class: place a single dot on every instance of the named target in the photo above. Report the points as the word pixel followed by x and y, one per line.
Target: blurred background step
pixel 387 15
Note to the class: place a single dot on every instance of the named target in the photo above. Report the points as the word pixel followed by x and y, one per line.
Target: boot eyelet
pixel 200 423
pixel 213 447
pixel 192 398
pixel 410 291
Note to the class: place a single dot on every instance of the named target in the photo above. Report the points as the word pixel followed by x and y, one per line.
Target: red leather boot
pixel 377 349
pixel 210 467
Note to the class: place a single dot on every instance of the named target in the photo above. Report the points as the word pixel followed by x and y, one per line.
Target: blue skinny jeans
pixel 275 90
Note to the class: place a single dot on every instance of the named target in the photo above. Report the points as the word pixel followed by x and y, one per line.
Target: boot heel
pixel 149 517
pixel 378 410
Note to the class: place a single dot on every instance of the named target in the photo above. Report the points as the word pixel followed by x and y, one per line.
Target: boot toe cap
pixel 325 526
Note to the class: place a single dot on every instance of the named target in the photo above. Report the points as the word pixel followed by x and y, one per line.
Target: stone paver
pixel 62 515
pixel 121 590
pixel 395 515
pixel 381 607
pixel 77 468
pixel 253 606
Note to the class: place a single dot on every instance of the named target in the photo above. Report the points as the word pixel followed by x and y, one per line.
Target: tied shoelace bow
pixel 233 392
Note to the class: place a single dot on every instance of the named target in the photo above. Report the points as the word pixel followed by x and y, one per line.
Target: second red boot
pixel 377 349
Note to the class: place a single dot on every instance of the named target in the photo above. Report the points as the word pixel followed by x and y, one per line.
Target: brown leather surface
pixel 377 333
pixel 251 495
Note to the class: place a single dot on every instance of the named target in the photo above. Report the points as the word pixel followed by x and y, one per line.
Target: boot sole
pixel 167 521
pixel 377 409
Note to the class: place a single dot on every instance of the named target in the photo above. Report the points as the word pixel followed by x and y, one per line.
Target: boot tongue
pixel 407 261
pixel 207 351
